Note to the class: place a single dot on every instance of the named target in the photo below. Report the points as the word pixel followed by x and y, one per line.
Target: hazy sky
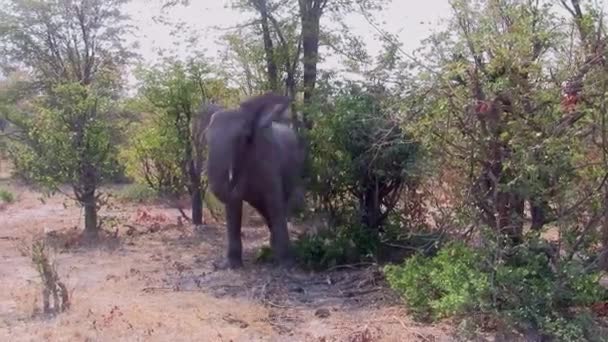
pixel 411 22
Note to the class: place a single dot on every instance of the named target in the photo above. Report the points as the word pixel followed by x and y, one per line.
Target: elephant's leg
pixel 264 212
pixel 234 257
pixel 279 235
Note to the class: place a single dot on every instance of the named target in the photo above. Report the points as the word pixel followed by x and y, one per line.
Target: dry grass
pixel 52 287
pixel 156 282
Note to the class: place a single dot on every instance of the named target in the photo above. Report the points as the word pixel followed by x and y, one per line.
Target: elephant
pixel 254 158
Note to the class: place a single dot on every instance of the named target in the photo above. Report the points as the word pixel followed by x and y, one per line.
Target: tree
pixel 282 43
pixel 167 151
pixel 286 34
pixel 72 52
pixel 68 141
pixel 492 94
pixel 66 41
pixel 311 13
pixel 367 162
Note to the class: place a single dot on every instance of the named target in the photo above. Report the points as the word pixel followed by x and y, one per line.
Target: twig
pixel 9 238
pixel 400 321
pixel 360 292
pixel 421 336
pixel 351 266
pixel 152 288
pixel 276 305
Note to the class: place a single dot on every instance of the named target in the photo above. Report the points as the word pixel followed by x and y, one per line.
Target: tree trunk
pixel 370 209
pixel 271 65
pixel 197 206
pixel 91 228
pixel 538 211
pixel 196 195
pixel 603 260
pixel 310 12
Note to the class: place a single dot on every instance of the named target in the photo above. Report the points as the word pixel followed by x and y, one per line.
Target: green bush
pixel 137 192
pixel 523 289
pixel 450 283
pixel 6 196
pixel 359 158
pixel 338 246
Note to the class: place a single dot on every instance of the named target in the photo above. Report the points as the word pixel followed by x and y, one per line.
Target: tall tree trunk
pixel 271 65
pixel 603 262
pixel 370 207
pixel 197 206
pixel 310 12
pixel 91 228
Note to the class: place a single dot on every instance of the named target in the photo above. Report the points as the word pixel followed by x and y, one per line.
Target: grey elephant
pixel 255 159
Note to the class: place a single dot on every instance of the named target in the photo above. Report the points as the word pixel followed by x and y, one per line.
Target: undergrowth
pixel 524 289
pixel 6 196
pixel 338 246
pixel 136 192
pixel 55 295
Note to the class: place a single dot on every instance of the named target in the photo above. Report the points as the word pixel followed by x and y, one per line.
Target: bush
pixel 450 283
pixel 360 159
pixel 154 157
pixel 523 289
pixel 361 163
pixel 338 246
pixel 137 192
pixel 6 196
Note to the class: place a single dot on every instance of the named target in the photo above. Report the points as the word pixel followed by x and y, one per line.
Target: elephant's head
pixel 231 135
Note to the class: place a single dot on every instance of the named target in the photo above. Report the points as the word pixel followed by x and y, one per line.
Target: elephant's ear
pixel 264 108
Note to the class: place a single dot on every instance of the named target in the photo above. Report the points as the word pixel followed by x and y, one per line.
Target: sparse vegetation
pixel 137 192
pixel 55 295
pixel 524 289
pixel 6 196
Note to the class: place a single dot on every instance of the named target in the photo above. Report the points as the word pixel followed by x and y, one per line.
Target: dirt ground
pixel 155 281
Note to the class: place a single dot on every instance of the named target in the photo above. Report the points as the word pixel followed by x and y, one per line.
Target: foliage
pixel 71 54
pixel 67 137
pixel 152 157
pixel 491 90
pixel 524 288
pixel 162 146
pixel 337 246
pixel 55 295
pixel 6 196
pixel 450 283
pixel 167 150
pixel 69 142
pixel 359 157
pixel 137 192
pixel 66 42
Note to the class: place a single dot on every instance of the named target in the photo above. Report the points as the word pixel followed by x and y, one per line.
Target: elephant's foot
pixel 228 263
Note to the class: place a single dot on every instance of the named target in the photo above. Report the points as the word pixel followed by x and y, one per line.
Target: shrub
pixel 523 289
pixel 153 157
pixel 137 192
pixel 359 158
pixel 448 284
pixel 6 196
pixel 341 245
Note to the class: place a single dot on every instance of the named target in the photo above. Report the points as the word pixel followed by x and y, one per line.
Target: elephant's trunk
pixel 225 172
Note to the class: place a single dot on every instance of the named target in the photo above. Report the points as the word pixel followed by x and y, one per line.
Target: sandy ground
pixel 156 282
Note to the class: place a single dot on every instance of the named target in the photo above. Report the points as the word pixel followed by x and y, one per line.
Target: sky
pixel 411 20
